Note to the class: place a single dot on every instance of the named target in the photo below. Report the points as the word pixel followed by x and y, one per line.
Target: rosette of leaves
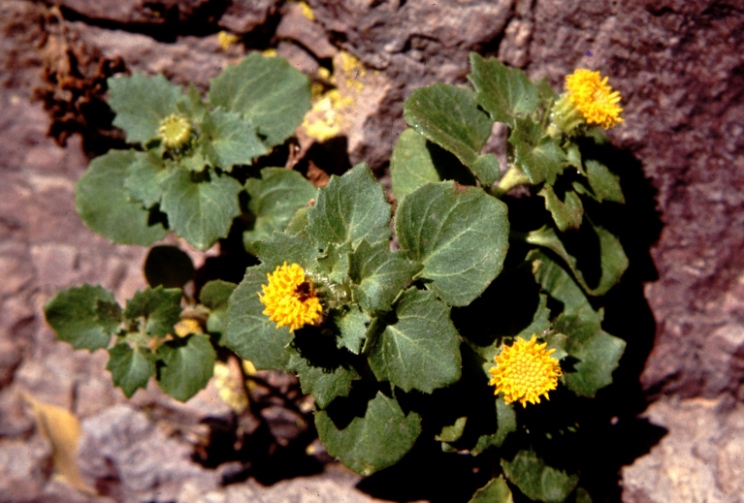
pixel 449 129
pixel 187 182
pixel 386 331
pixel 141 338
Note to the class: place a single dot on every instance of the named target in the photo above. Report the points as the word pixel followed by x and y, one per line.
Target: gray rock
pixel 139 461
pixel 699 460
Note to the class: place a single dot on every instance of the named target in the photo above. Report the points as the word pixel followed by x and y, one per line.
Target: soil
pixel 676 405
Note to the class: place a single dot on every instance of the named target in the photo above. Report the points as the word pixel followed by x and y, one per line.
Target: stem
pixel 513 177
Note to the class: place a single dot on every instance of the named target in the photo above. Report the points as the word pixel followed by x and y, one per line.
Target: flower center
pixel 175 131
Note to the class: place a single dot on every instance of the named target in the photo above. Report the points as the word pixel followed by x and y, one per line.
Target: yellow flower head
pixel 175 131
pixel 594 99
pixel 290 299
pixel 524 371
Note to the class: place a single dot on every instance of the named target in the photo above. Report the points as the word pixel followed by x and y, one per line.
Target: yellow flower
pixel 593 98
pixel 290 299
pixel 524 371
pixel 175 131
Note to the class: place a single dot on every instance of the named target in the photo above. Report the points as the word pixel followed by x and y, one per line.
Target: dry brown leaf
pixel 62 429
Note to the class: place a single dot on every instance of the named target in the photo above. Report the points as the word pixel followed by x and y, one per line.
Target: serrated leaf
pixel 537 480
pixel 613 261
pixel 185 365
pixel 460 235
pixel 376 440
pixel 130 368
pixel 160 307
pixel 249 332
pixel 268 91
pixel 505 93
pixel 421 349
pixel 449 116
pixel 539 156
pixel 598 353
pixel 349 209
pixel 168 266
pixel 274 199
pixel 143 178
pixel 228 139
pixel 379 275
pixel 558 283
pixel 140 103
pixel 200 209
pixel 215 295
pixel 411 164
pixel 106 208
pixel 567 214
pixel 604 184
pixel 324 383
pixel 335 262
pixel 496 491
pixel 506 423
pixel 352 327
pixel 84 316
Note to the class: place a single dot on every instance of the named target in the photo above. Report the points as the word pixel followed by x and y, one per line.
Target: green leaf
pixel 297 223
pixel 349 209
pixel 186 365
pixel 250 333
pixel 199 209
pixel 324 383
pixel 268 91
pixel 144 177
pixel 598 353
pixel 192 104
pixel 506 423
pixel 537 480
pixel 282 248
pixel 85 316
pixel 215 295
pixel 453 432
pixel 229 139
pixel 496 491
pixel 168 266
pixel 379 275
pixel 558 283
pixel 411 164
pixel 613 261
pixel 505 93
pixel 421 349
pixel 106 208
pixel 140 103
pixel 487 169
pixel 130 368
pixel 376 440
pixel 274 199
pixel 449 116
pixel 568 213
pixel 604 183
pixel 460 235
pixel 160 307
pixel 539 156
pixel 352 327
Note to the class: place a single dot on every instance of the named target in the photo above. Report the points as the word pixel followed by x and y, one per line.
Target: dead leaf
pixel 61 429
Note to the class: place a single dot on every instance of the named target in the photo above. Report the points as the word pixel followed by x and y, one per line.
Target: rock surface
pixel 679 67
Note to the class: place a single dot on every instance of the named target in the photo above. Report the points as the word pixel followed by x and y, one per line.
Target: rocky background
pixel 679 64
